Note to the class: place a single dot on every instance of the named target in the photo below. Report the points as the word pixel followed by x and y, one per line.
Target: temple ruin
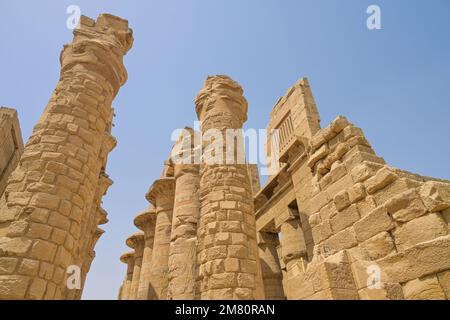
pixel 333 221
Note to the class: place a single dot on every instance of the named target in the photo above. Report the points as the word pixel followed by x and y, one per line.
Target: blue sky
pixel 393 83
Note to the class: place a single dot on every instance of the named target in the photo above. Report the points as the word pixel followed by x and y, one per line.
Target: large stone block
pixel 388 291
pixel 375 222
pixel 321 232
pixel 426 288
pixel 382 178
pixel 345 218
pixel 435 195
pixel 419 230
pixel 13 287
pixel 378 246
pixel 365 170
pixel 406 206
pixel 342 240
pixel 417 261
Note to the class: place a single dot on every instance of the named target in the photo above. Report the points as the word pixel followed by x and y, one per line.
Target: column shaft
pixel 293 247
pixel 136 242
pixel 161 194
pixel 146 222
pixel 227 249
pixel 51 192
pixel 270 265
pixel 182 256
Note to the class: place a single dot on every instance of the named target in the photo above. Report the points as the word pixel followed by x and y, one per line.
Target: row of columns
pixel 204 234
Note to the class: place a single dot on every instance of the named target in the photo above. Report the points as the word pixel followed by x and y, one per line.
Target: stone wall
pixel 11 144
pixel 371 231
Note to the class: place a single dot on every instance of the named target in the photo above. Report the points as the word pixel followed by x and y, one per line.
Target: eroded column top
pixel 221 93
pixel 100 46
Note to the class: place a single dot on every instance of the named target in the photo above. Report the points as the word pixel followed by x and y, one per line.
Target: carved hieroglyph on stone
pixel 51 196
pixel 227 248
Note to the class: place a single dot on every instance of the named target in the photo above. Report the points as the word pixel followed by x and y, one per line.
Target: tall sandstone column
pixel 227 248
pixel 270 266
pixel 183 246
pixel 146 222
pixel 128 259
pixel 161 195
pixel 51 193
pixel 136 242
pixel 293 247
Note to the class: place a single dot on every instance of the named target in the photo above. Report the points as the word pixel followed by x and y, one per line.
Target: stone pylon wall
pixel 227 248
pixel 51 194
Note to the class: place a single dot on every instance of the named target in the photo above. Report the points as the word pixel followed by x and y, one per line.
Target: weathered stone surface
pixel 426 288
pixel 422 229
pixel 380 180
pixel 435 195
pixel 444 281
pixel 342 200
pixel 388 291
pixel 342 240
pixel 60 180
pixel 375 222
pixel 418 261
pixel 345 218
pixel 405 206
pixel 378 246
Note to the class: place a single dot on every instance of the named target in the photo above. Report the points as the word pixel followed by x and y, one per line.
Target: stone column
pixel 227 248
pixel 128 259
pixel 146 222
pixel 183 246
pixel 136 242
pixel 161 195
pixel 270 265
pixel 51 192
pixel 293 247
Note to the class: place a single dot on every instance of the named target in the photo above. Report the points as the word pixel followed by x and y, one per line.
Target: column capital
pixel 136 241
pixel 146 221
pixel 161 193
pixel 221 93
pixel 127 257
pixel 100 45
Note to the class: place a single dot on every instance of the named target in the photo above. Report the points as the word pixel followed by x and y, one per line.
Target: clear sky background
pixel 393 83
